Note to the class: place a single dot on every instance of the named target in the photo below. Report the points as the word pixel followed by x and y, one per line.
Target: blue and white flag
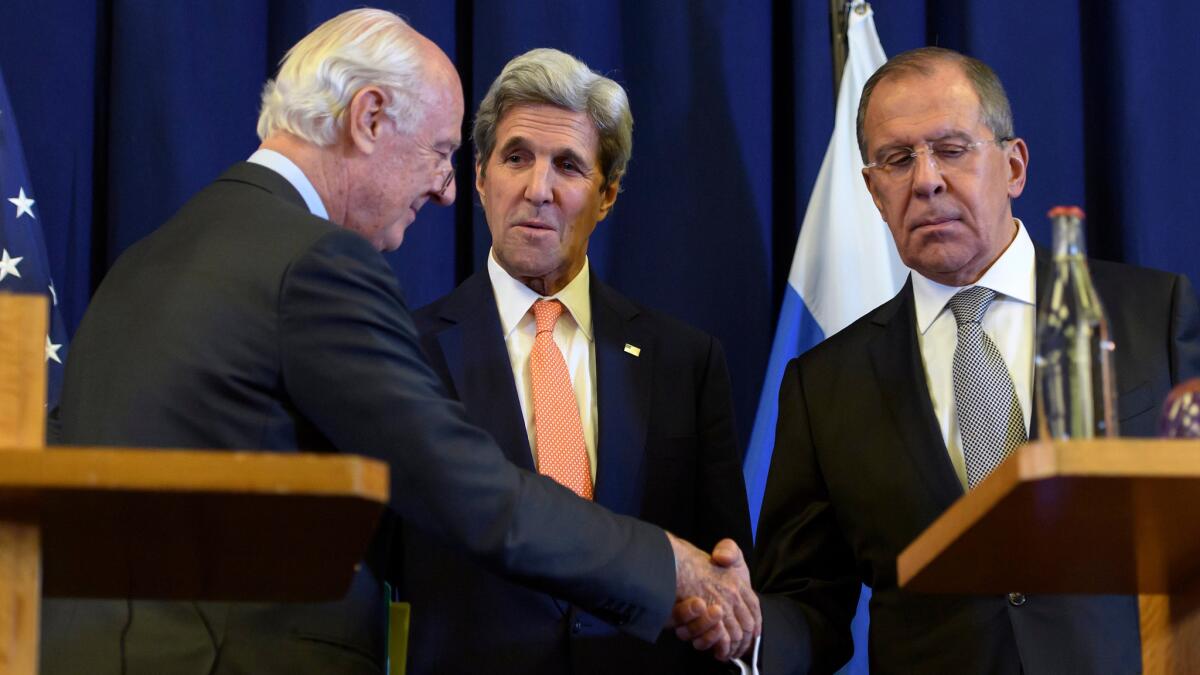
pixel 845 263
pixel 24 267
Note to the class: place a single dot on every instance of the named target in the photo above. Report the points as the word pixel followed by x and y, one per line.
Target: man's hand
pixel 715 606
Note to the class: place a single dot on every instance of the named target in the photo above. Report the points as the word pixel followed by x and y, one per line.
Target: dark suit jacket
pixel 860 469
pixel 246 322
pixel 666 452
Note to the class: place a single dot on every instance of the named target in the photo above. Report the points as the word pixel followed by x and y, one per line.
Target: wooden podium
pixel 1104 516
pixel 162 524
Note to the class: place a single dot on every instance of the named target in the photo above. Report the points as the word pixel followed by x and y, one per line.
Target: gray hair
pixel 548 76
pixel 994 109
pixel 320 75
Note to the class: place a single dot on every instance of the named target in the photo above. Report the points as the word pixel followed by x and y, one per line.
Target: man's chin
pixel 526 263
pixel 950 270
pixel 394 238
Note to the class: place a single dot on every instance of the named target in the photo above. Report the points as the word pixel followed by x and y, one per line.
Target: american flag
pixel 24 267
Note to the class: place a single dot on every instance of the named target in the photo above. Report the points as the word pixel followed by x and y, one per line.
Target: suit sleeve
pixel 722 510
pixel 352 364
pixel 805 569
pixel 1185 331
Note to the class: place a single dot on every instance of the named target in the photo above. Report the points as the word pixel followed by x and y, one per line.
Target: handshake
pixel 715 608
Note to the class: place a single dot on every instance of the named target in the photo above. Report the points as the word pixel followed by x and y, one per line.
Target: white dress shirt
pixel 292 174
pixel 572 333
pixel 1009 322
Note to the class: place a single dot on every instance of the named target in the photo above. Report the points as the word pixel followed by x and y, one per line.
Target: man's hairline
pixel 913 71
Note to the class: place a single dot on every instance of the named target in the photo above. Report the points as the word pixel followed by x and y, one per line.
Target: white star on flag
pixel 8 265
pixel 52 350
pixel 24 204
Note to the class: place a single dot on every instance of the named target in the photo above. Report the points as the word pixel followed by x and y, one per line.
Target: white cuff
pixel 751 669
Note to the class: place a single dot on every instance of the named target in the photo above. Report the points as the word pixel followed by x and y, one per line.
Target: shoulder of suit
pixel 235 222
pixel 1105 268
pixel 435 317
pixel 850 342
pixel 655 321
pixel 262 212
pixel 252 202
pixel 428 318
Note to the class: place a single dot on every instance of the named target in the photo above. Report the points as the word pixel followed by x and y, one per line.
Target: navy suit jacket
pixel 860 469
pixel 245 322
pixel 666 452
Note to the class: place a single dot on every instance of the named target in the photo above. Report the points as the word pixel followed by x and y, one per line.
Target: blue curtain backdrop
pixel 126 108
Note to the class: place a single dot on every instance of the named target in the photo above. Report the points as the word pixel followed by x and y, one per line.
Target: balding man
pixel 262 316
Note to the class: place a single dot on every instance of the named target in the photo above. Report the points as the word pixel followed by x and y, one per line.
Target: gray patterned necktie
pixel 989 414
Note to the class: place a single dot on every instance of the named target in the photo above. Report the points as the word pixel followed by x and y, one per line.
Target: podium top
pixel 1099 516
pixel 186 524
pixel 118 469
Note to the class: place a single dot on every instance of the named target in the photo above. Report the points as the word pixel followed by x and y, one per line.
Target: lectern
pixel 1103 516
pixel 159 524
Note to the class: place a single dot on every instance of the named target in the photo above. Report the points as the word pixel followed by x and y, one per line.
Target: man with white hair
pixel 262 317
pixel 641 420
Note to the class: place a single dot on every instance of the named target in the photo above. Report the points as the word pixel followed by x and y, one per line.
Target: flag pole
pixel 839 21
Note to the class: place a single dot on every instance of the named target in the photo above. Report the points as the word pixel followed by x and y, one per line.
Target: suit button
pixel 1016 599
pixel 576 626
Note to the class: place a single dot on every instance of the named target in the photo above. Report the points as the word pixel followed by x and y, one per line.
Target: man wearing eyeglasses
pixel 887 423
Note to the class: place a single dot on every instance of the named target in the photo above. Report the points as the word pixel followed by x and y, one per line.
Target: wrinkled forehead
pixel 548 127
pixel 913 108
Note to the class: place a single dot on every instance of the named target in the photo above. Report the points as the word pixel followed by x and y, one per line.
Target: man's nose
pixel 445 194
pixel 539 189
pixel 927 178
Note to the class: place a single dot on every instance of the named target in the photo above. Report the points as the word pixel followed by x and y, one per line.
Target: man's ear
pixel 608 197
pixel 479 182
pixel 365 118
pixel 1018 167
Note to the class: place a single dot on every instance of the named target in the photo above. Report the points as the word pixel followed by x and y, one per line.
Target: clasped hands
pixel 715 608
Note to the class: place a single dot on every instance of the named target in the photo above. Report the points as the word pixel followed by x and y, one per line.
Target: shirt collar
pixel 514 298
pixel 285 167
pixel 1012 275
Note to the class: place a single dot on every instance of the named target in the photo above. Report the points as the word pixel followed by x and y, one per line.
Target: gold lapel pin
pixel 632 349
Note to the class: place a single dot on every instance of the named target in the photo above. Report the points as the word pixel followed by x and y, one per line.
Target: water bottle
pixel 1075 378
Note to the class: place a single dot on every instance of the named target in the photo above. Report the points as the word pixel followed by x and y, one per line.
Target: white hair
pixel 321 74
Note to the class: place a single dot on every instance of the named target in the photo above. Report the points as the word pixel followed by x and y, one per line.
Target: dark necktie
pixel 990 420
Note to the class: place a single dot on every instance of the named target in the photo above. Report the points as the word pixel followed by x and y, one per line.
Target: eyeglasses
pixel 946 155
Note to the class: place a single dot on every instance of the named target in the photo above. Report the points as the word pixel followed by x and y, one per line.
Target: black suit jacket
pixel 666 452
pixel 246 322
pixel 860 469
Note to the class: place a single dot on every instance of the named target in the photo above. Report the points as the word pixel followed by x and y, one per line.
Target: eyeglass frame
pixel 928 149
pixel 448 179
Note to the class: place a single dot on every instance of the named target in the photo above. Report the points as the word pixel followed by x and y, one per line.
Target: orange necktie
pixel 561 452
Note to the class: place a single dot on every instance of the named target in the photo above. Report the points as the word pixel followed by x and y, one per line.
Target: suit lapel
pixel 477 358
pixel 900 373
pixel 623 391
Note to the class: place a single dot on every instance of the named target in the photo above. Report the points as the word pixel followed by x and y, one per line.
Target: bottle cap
pixel 1068 211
